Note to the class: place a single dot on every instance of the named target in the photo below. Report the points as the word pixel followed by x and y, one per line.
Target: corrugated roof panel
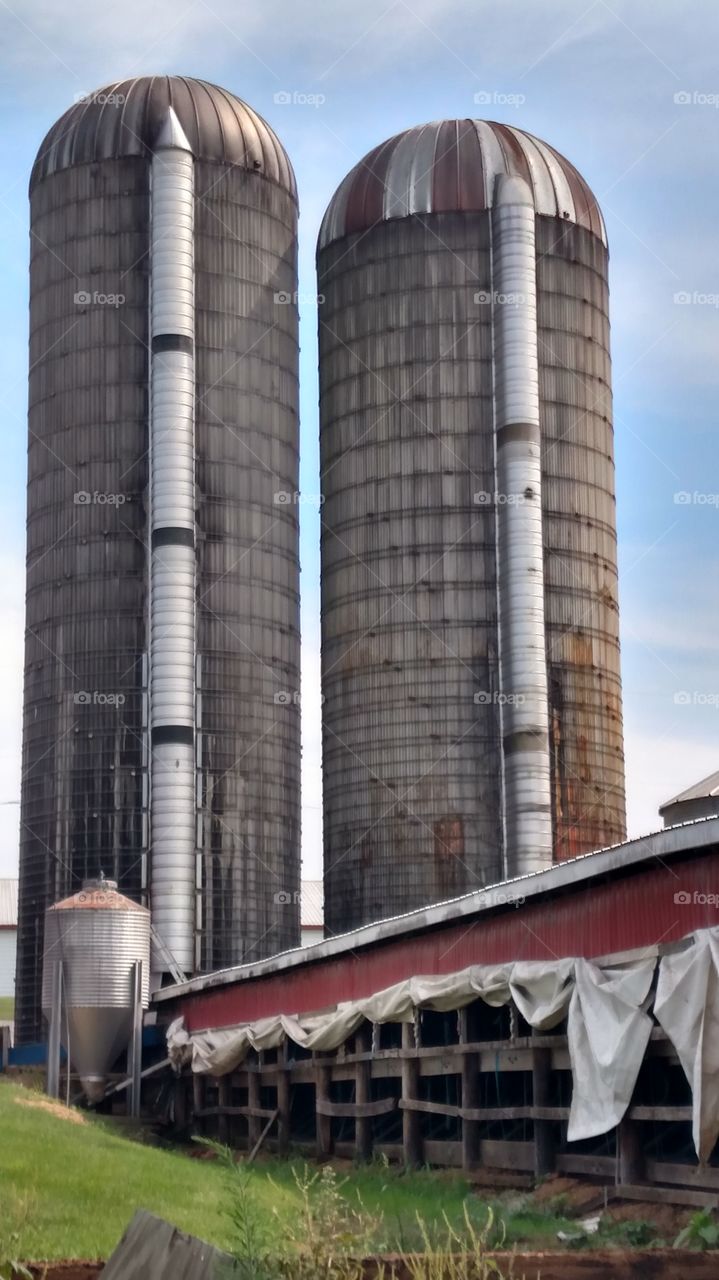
pixel 701 790
pixel 123 120
pixel 451 166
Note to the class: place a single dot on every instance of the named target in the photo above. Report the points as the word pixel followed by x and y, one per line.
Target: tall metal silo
pixel 161 734
pixel 470 650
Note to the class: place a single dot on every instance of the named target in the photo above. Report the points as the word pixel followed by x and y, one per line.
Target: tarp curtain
pixel 608 1025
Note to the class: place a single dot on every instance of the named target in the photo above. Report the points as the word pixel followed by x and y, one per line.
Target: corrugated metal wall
pixel 411 760
pixel 595 917
pixel 248 563
pixel 580 539
pixel 82 760
pixel 84 777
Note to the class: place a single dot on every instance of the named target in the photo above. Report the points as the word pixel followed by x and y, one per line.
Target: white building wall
pixel 8 939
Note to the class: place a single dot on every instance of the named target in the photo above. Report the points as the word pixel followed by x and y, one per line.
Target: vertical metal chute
pixel 172 530
pixel 520 559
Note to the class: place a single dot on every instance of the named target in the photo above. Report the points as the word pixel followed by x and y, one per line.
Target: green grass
pixel 69 1190
pixel 7 1008
pixel 75 1187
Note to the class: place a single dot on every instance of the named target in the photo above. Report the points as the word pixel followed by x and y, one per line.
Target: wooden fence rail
pixel 494 1104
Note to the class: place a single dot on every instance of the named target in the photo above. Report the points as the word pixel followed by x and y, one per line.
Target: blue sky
pixel 629 92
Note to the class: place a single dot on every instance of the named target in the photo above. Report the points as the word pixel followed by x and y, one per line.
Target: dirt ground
pixel 614 1265
pixel 580 1198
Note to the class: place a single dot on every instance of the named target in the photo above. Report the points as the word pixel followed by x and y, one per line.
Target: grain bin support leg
pixel 134 1065
pixel 544 1147
pixel 470 1097
pixel 53 1048
pixel 363 1092
pixel 411 1135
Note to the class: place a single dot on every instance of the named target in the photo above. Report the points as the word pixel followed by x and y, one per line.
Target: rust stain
pixel 448 838
pixel 449 853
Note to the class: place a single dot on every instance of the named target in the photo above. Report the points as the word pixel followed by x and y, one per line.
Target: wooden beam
pixel 411 1132
pixel 544 1143
pixel 180 1092
pixel 262 1136
pixel 254 1113
pixel 225 1101
pixel 356 1110
pixel 429 1108
pixel 630 1153
pixel 199 1089
pixel 660 1113
pixel 480 1114
pixel 667 1195
pixel 363 1094
pixel 284 1102
pixel 507 1155
pixel 254 1110
pixel 469 1096
pixel 588 1166
pixel 685 1175
pixel 323 1122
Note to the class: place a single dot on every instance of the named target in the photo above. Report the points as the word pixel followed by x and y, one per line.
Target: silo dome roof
pixel 124 119
pixel 98 895
pixel 450 166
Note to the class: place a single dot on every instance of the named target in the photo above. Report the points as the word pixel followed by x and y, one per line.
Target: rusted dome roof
pixel 123 119
pixel 451 166
pixel 98 895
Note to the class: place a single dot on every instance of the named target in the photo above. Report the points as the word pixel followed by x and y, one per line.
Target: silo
pixel 98 936
pixel 161 728
pixel 470 651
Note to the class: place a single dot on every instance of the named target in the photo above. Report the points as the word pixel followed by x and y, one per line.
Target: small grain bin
pixel 97 936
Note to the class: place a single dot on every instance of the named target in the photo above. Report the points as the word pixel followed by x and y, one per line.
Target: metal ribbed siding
pixel 520 560
pixel 173 587
pixel 248 565
pixel 411 761
pixel 382 301
pixel 98 947
pixel 599 917
pixel 82 797
pixel 83 767
pixel 580 568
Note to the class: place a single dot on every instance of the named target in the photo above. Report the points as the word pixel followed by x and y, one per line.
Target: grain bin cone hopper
pixel 94 942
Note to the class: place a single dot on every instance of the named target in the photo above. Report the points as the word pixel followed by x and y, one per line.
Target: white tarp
pixel 608 1013
pixel 687 1008
pixel 608 1025
pixel 608 1032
